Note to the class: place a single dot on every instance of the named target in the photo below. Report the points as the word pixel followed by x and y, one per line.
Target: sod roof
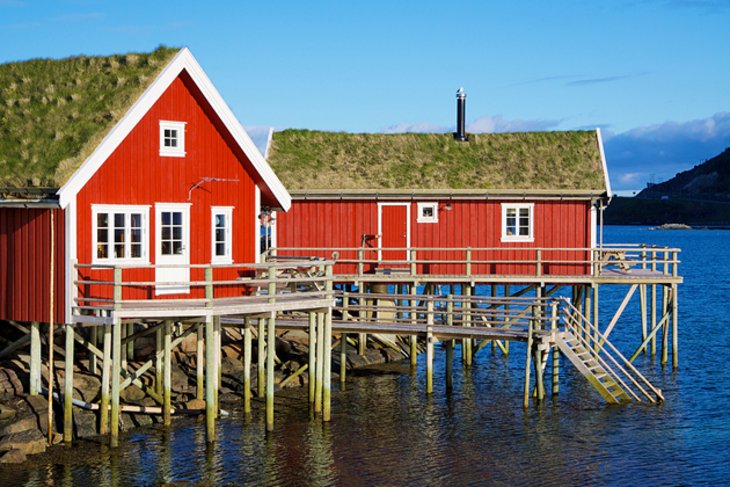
pixel 53 113
pixel 555 161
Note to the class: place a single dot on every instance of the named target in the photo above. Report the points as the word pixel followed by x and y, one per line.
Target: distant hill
pixel 699 196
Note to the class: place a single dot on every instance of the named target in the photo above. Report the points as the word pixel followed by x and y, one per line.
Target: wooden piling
pixel 413 353
pixel 526 392
pixel 675 327
pixel 343 340
pixel 200 362
pixel 466 349
pixel 261 359
pixel 270 353
pixel 320 364
pixel 210 381
pixel 312 369
pixel 34 385
pixel 327 372
pixel 167 374
pixel 116 371
pixel 643 311
pixel 159 357
pixel 555 350
pixel 94 339
pixel 449 365
pixel 106 366
pixel 429 346
pixel 68 385
pixel 247 366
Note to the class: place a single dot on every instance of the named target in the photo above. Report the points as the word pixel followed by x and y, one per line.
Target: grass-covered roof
pixel 53 113
pixel 313 160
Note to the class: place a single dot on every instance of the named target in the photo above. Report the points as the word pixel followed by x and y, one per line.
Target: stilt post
pixel 429 346
pixel 68 386
pixel 312 370
pixel 106 366
pixel 247 366
pixel 34 386
pixel 167 379
pixel 116 371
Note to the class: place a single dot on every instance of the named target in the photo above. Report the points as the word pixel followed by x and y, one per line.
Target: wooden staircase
pixel 608 371
pixel 590 367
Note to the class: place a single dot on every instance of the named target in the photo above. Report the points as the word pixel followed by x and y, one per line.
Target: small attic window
pixel 172 138
pixel 428 212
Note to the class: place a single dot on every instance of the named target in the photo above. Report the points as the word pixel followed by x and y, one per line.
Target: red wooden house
pixel 137 160
pixel 500 201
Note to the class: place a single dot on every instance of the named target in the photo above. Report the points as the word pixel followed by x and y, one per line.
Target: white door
pixel 172 247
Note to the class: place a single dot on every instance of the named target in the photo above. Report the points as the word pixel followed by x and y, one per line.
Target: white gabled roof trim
pixel 183 60
pixel 603 161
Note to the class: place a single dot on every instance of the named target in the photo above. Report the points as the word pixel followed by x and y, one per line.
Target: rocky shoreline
pixel 23 418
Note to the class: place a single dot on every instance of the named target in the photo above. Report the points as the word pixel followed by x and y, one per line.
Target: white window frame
pixel 428 219
pixel 227 212
pixel 179 127
pixel 517 207
pixel 144 210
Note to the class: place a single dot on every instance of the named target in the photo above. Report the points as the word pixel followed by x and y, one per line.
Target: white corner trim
pixel 257 224
pixel 603 161
pixel 183 60
pixel 71 256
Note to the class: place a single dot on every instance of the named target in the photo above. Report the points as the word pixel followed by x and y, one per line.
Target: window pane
pixel 220 235
pixel 119 251
pixel 177 218
pixel 102 220
pixel 177 247
pixel 220 220
pixel 135 220
pixel 165 217
pixel 166 233
pixel 220 249
pixel 525 231
pixel 102 236
pixel 119 235
pixel 166 248
pixel 177 233
pixel 119 220
pixel 102 252
pixel 136 251
pixel 136 235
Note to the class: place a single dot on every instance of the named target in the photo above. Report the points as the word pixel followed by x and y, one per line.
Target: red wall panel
pixel 25 264
pixel 135 174
pixel 469 223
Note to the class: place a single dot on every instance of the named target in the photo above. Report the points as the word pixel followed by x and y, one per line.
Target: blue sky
pixel 653 74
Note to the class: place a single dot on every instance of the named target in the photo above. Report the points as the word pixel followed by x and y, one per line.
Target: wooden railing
pixel 110 287
pixel 472 261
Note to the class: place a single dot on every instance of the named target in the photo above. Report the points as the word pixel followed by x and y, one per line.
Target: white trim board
pixel 183 60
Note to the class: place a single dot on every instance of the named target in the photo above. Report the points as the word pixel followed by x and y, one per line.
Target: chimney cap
pixel 460 92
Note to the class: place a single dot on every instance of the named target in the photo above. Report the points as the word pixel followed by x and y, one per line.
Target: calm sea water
pixel 385 431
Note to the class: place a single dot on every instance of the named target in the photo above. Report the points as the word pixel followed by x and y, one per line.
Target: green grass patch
pixel 54 113
pixel 305 159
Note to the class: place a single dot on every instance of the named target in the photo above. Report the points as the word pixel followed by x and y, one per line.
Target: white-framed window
pixel 428 212
pixel 172 138
pixel 518 222
pixel 221 234
pixel 120 234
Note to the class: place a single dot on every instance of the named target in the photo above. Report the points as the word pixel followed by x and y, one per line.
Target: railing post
pixel 360 263
pixel 209 286
pixel 538 259
pixel 468 261
pixel 414 262
pixel 117 287
pixel 596 253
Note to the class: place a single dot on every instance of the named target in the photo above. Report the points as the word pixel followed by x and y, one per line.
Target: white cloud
pixel 498 124
pixel 423 127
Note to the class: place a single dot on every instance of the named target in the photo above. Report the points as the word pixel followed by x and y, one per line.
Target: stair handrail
pixel 614 350
pixel 602 362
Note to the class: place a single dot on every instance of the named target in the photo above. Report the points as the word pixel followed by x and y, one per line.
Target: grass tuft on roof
pixel 309 160
pixel 54 113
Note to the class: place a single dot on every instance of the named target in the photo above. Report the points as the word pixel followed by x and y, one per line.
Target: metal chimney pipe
pixel 460 133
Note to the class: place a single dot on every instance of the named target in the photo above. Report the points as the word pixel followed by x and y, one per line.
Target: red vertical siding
pixel 135 174
pixel 469 223
pixel 25 250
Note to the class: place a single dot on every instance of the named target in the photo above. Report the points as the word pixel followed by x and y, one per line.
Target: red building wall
pixel 25 264
pixel 469 223
pixel 135 174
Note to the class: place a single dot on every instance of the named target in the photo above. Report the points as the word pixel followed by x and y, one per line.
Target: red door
pixel 394 232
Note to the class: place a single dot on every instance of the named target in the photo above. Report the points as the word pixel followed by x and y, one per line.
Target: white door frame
pixel 171 274
pixel 380 226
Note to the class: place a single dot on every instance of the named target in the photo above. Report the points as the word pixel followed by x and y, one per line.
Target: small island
pixel 673 226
